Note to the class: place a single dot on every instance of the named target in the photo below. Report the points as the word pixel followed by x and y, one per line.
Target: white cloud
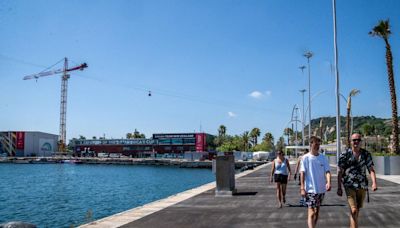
pixel 256 94
pixel 231 114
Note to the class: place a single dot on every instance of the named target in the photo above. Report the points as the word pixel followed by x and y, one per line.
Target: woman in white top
pixel 280 172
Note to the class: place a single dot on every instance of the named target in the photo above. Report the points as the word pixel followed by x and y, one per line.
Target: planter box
pixel 332 160
pixel 387 165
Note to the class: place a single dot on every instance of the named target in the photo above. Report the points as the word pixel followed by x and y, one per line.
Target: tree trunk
pixel 395 129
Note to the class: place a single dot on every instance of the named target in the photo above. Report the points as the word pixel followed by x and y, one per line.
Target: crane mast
pixel 63 103
pixel 63 108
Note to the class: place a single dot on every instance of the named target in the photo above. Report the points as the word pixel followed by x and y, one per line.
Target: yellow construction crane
pixel 64 91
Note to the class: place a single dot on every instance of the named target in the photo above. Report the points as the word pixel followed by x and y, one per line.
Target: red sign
pixel 200 142
pixel 20 140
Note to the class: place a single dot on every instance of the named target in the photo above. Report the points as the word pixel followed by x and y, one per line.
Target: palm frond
pixel 381 30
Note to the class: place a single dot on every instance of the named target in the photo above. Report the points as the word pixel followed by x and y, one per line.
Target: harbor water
pixel 68 195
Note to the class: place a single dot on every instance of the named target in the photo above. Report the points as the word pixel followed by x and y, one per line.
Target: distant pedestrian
pixel 298 163
pixel 297 175
pixel 352 166
pixel 280 172
pixel 315 180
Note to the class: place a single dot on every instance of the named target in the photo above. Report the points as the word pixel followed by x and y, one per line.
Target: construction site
pixel 36 143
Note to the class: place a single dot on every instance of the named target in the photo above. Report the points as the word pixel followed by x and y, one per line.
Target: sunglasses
pixel 356 140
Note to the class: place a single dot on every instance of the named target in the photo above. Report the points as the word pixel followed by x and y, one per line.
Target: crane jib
pixel 48 73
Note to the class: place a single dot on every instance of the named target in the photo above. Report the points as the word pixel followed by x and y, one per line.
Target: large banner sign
pixel 171 136
pixel 20 140
pixel 200 142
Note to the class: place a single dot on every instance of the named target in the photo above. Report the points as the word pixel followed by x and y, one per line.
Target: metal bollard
pixel 225 175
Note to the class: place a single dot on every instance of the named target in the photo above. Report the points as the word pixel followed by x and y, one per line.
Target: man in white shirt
pixel 315 180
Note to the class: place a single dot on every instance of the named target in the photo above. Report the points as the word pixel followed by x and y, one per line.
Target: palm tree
pixel 268 139
pixel 221 138
pixel 221 131
pixel 245 139
pixel 280 145
pixel 352 93
pixel 254 134
pixel 288 131
pixel 383 30
pixel 137 135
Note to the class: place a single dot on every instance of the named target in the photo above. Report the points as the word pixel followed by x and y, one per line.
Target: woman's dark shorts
pixel 280 178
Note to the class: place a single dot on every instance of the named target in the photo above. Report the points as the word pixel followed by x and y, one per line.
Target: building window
pixel 164 141
pixel 177 141
pixel 189 141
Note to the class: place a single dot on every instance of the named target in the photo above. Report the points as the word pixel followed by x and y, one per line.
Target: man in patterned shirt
pixel 352 166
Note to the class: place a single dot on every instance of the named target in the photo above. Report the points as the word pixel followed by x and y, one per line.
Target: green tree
pixel 267 143
pixel 230 144
pixel 367 129
pixel 268 139
pixel 245 138
pixel 222 130
pixel 382 30
pixel 227 146
pixel 280 145
pixel 222 137
pixel 254 134
pixel 288 132
pixel 352 93
pixel 138 135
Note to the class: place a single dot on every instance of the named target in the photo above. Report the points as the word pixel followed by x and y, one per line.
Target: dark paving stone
pixel 255 206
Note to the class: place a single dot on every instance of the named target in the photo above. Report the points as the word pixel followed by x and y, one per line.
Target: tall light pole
pixel 338 146
pixel 302 116
pixel 308 55
pixel 296 130
pixel 295 119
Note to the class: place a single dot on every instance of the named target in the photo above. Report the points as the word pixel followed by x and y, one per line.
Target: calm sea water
pixel 65 195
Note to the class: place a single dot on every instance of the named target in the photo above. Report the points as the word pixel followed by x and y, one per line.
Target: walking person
pixel 352 166
pixel 280 172
pixel 315 178
pixel 298 163
pixel 302 201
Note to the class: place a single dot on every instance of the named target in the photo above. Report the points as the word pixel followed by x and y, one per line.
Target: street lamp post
pixel 302 116
pixel 338 146
pixel 295 119
pixel 308 55
pixel 296 131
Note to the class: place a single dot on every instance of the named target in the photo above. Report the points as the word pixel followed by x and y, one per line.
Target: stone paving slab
pixel 255 205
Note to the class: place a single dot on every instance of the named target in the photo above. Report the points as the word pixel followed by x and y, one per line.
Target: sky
pixel 206 63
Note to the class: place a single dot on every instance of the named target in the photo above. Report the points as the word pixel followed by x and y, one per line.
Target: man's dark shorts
pixel 280 178
pixel 314 200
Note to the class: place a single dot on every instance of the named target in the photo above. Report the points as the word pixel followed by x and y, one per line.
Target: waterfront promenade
pixel 255 205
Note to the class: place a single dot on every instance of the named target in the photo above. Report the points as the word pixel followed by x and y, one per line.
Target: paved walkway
pixel 255 206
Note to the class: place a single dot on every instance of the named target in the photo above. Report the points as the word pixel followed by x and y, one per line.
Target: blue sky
pixel 206 63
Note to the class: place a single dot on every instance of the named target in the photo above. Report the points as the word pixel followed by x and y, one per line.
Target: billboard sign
pixel 46 147
pixel 200 142
pixel 171 136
